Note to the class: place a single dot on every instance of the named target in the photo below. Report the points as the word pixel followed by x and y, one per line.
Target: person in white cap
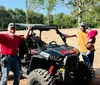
pixel 9 44
pixel 82 37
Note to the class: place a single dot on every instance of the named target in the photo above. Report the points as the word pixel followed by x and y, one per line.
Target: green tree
pixel 93 15
pixel 19 15
pixel 4 17
pixel 79 8
pixel 51 20
pixel 47 5
pixel 35 17
pixel 64 21
pixel 12 14
pixel 58 19
pixel 69 21
pixel 32 5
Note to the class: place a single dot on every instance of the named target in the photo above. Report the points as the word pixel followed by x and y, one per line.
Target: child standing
pixel 91 40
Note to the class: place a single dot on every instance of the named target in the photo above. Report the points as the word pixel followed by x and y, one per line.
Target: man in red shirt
pixel 9 45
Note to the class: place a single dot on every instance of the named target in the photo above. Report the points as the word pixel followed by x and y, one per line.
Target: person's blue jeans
pixel 91 57
pixel 11 63
pixel 85 57
pixel 88 58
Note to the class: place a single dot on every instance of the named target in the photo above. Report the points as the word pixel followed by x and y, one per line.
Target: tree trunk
pixel 79 13
pixel 79 17
pixel 27 19
pixel 48 19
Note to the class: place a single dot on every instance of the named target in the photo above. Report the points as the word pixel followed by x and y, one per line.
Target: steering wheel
pixel 53 43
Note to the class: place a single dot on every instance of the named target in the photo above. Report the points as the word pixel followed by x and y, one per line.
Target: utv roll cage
pixel 42 27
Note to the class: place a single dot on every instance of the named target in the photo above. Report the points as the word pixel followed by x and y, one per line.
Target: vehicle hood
pixel 62 51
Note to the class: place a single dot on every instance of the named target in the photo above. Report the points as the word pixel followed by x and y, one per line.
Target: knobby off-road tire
pixel 39 77
pixel 84 74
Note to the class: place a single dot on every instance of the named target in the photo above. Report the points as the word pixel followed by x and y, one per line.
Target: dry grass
pixel 51 35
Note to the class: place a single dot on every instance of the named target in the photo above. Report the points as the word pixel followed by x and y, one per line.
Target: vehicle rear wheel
pixel 39 77
pixel 84 74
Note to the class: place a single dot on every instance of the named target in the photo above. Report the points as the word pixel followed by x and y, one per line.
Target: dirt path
pixel 23 81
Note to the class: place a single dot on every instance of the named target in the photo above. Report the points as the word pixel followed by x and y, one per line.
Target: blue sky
pixel 21 5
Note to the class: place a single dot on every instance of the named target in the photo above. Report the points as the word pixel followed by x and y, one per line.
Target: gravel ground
pixel 23 81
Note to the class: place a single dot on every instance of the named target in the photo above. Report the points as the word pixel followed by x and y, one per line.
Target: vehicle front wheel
pixel 84 74
pixel 39 77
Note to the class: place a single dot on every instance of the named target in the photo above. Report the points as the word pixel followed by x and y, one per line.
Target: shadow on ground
pixel 97 77
pixel 96 81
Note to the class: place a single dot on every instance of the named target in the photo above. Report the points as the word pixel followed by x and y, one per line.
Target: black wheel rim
pixel 35 82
